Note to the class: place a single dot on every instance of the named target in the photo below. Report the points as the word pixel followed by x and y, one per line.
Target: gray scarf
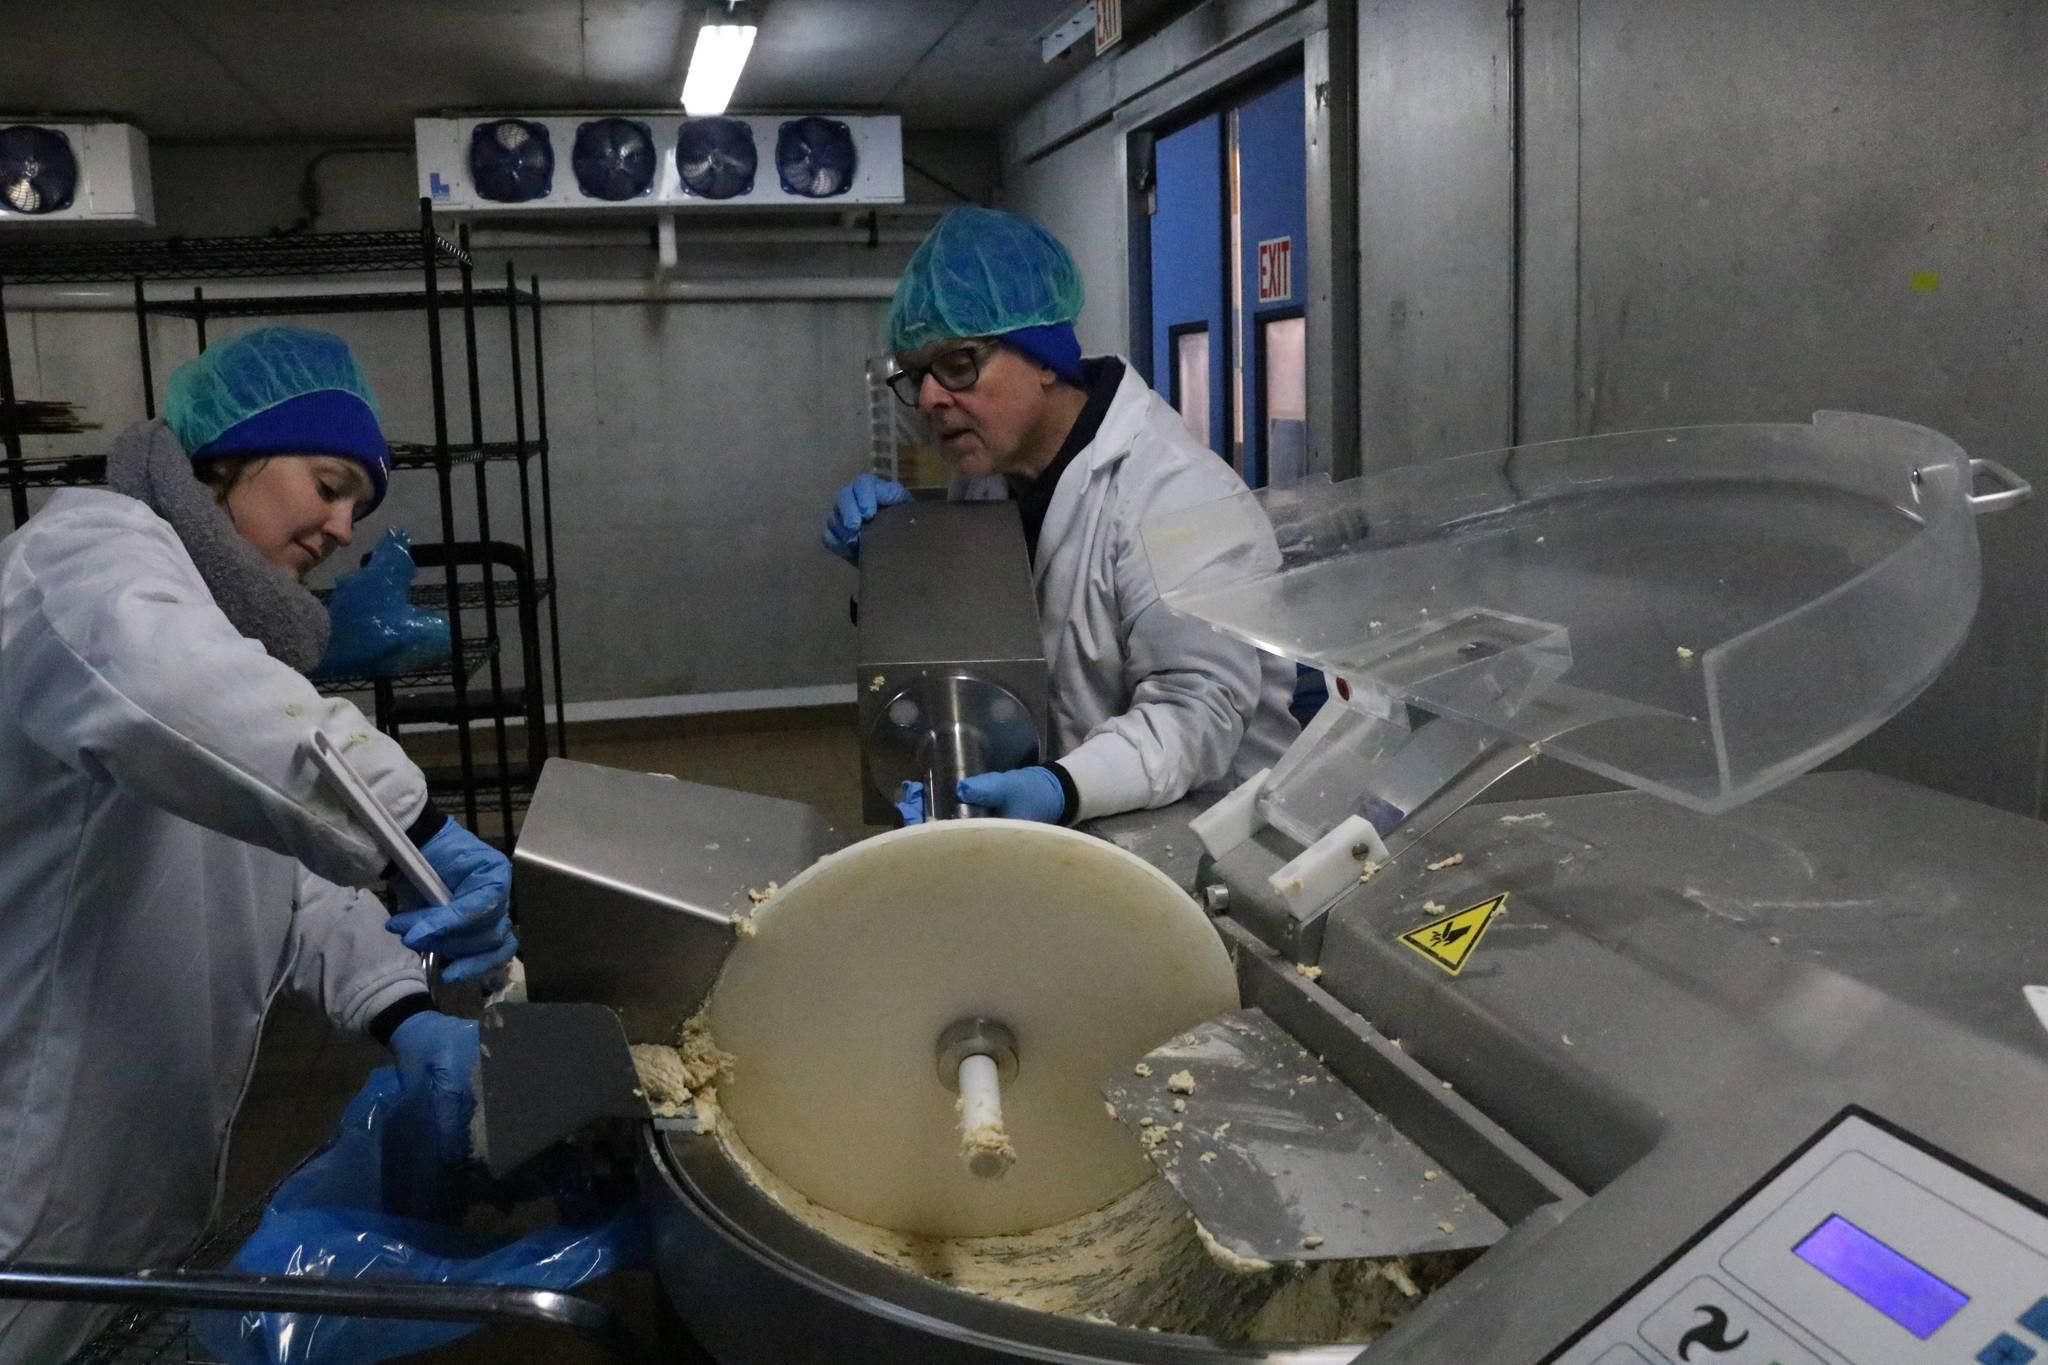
pixel 259 599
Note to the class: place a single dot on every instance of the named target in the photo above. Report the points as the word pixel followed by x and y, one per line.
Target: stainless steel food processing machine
pixel 1745 1063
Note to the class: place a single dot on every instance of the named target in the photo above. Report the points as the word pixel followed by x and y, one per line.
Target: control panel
pixel 1867 1249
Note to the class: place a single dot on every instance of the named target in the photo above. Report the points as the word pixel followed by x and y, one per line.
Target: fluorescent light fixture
pixel 715 66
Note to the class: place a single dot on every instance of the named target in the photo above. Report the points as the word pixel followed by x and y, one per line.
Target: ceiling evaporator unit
pixel 530 163
pixel 73 173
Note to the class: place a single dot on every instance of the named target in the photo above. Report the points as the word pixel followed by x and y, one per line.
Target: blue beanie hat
pixel 279 391
pixel 1053 345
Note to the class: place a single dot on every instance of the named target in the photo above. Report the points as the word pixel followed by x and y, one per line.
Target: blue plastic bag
pixel 373 628
pixel 327 1218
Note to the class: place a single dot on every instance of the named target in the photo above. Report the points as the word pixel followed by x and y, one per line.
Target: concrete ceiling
pixel 362 69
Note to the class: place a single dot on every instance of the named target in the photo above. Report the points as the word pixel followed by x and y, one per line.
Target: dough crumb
pixel 1311 1242
pixel 1181 1082
pixel 1306 1079
pixel 1221 1129
pixel 1445 1227
pixel 1441 863
pixel 1431 1175
pixel 760 897
pixel 1207 1156
pixel 744 926
pixel 1567 1040
pixel 673 1076
pixel 1684 653
pixel 1373 625
pixel 986 1148
pixel 877 683
pixel 1431 908
pixel 1311 972
pixel 1395 1273
pixel 1775 940
pixel 1143 1069
pixel 1180 1106
pixel 1525 819
pixel 1148 1138
pixel 1369 871
pixel 1109 1108
pixel 1228 1259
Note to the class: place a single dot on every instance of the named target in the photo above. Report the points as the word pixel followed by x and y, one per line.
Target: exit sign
pixel 1276 269
pixel 1109 24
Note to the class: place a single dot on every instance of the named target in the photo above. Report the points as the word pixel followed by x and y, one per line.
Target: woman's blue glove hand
pixel 910 803
pixel 472 934
pixel 858 502
pixel 1019 794
pixel 427 1142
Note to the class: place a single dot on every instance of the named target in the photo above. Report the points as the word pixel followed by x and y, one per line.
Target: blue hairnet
pixel 253 373
pixel 983 272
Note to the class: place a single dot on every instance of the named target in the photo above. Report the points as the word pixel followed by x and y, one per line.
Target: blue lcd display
pixel 1910 1296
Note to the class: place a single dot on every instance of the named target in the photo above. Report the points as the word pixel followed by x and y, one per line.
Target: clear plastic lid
pixel 1702 612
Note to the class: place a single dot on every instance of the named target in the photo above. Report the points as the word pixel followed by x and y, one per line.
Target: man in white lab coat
pixel 1147 705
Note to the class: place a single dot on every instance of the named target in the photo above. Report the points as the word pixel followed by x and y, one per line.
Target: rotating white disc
pixel 834 1006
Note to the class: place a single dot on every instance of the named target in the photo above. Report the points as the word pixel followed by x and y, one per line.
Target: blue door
pixel 1272 291
pixel 1190 300
pixel 1229 279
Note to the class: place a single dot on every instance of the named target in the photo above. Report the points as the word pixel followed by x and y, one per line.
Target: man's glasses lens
pixel 956 370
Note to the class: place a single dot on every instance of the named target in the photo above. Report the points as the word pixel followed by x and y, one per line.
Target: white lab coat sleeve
pixel 120 665
pixel 343 958
pixel 1192 693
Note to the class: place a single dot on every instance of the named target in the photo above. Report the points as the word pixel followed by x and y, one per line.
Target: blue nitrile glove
pixel 427 1141
pixel 473 932
pixel 1019 794
pixel 859 501
pixel 910 803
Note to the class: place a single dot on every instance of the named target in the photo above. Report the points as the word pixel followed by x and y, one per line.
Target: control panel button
pixel 1621 1354
pixel 1705 1323
pixel 2005 1349
pixel 2035 1319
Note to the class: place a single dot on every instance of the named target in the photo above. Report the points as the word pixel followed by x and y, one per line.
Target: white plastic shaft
pixel 984 1145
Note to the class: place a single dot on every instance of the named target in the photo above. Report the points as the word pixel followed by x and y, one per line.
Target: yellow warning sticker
pixel 1449 941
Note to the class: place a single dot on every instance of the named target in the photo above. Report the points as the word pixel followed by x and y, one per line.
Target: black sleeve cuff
pixel 391 1016
pixel 1072 808
pixel 424 827
pixel 426 824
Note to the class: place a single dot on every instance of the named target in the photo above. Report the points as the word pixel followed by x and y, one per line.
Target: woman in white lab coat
pixel 169 860
pixel 1147 705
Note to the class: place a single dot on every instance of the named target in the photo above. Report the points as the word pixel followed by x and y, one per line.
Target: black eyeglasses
pixel 957 371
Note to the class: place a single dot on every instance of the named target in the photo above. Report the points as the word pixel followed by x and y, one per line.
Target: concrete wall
pixel 696 445
pixel 1433 230
pixel 1789 207
pixel 1077 193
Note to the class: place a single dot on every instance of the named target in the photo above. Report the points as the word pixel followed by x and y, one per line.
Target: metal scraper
pixel 1279 1159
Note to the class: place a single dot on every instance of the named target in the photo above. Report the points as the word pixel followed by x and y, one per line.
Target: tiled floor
pixel 305 1073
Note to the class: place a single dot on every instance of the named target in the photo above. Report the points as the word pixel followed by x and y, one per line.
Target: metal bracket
pixel 2016 490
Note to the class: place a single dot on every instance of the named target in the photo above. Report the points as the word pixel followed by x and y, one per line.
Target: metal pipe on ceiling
pixel 543 239
pixel 779 288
